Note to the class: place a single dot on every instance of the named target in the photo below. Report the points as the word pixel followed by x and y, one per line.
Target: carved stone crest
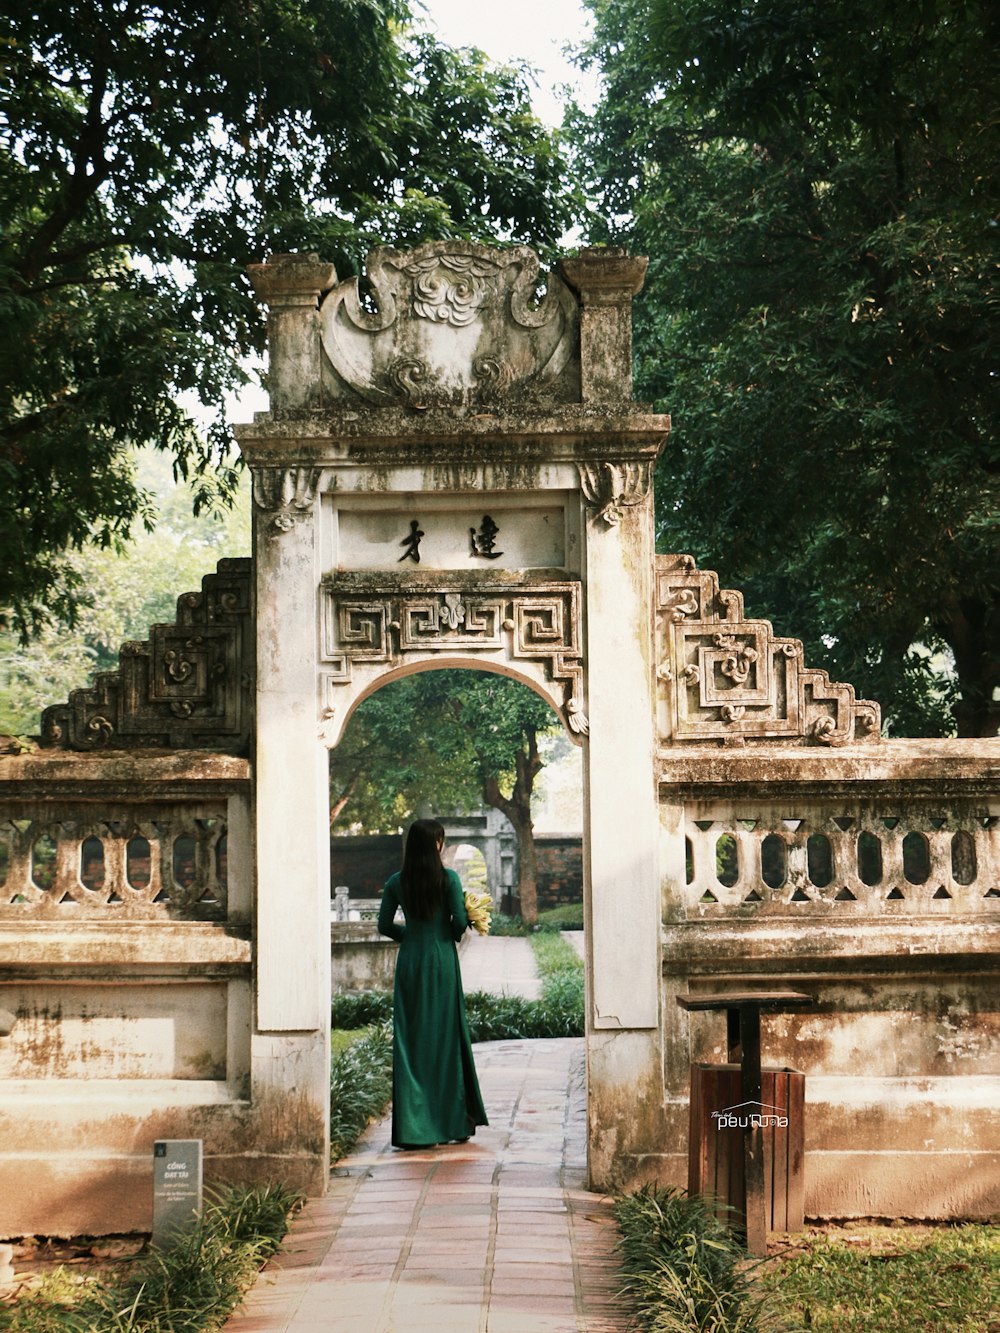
pixel 449 323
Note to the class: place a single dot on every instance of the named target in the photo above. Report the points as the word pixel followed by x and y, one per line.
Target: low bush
pixel 360 1084
pixel 191 1288
pixel 683 1267
pixel 567 916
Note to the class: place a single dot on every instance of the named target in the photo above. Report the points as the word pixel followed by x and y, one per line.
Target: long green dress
pixel 435 1091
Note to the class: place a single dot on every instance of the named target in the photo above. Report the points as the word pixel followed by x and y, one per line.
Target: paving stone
pixel 498 1236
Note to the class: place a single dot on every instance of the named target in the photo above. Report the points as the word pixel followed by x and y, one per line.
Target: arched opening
pixel 481 749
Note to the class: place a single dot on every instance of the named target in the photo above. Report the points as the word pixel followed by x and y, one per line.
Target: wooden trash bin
pixel 717 1129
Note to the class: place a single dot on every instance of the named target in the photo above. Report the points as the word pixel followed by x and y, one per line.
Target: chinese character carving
pixel 412 543
pixel 485 539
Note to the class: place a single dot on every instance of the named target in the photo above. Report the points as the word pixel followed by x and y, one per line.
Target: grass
pixel 910 1279
pixel 191 1288
pixel 685 1272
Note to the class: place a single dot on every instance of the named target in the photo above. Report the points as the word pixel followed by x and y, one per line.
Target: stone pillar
pixel 291 1064
pixel 290 286
pixel 621 822
pixel 606 281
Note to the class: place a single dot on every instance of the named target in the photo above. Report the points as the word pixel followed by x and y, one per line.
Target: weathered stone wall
pixel 126 898
pixel 868 878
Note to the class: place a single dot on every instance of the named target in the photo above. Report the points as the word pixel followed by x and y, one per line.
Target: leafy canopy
pixel 816 188
pixel 147 155
pixel 434 741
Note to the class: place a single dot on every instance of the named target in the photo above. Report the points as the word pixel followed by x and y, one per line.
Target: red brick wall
pixel 365 863
pixel 560 869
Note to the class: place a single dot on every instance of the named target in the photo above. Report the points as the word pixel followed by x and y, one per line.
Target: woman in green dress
pixel 435 1092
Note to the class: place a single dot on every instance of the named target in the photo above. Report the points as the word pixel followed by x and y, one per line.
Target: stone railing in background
pixel 125 863
pixel 74 847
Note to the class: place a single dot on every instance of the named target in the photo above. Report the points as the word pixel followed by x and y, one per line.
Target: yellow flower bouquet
pixel 479 909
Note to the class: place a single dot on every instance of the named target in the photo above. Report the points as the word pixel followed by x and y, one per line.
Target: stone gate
pixel 453 473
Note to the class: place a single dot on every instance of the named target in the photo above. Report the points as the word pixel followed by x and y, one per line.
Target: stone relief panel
pixel 539 624
pixel 726 679
pixel 612 488
pixel 188 686
pixel 452 323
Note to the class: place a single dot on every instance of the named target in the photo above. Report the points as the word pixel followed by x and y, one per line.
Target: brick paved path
pixel 498 1235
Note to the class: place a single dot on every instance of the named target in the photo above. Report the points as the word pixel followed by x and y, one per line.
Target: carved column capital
pixel 285 494
pixel 291 286
pixel 606 281
pixel 285 282
pixel 611 488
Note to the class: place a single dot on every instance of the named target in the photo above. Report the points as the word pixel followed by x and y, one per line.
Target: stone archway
pixel 455 473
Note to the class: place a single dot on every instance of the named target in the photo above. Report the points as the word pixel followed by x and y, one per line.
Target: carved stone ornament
pixel 285 494
pixel 732 680
pixel 450 323
pixel 612 488
pixel 189 686
pixel 540 624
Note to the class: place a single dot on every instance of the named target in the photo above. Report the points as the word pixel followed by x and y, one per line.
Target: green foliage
pixel 360 1084
pixel 190 1288
pixel 121 595
pixel 360 1009
pixel 147 155
pixel 567 916
pixel 908 1279
pixel 512 1018
pixel 815 186
pixel 559 1013
pixel 502 924
pixel 680 1265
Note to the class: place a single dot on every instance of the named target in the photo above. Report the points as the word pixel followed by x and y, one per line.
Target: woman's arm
pixel 456 903
pixel 387 911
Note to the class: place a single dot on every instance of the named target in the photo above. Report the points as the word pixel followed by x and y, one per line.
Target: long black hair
pixel 422 877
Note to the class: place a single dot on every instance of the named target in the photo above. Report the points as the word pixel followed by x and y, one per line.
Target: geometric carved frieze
pixel 189 686
pixel 539 623
pixel 724 678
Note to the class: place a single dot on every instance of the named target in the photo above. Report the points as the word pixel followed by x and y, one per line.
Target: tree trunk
pixel 517 808
pixel 972 630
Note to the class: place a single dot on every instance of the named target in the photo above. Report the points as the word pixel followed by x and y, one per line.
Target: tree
pixel 816 188
pixel 128 592
pixel 452 738
pixel 147 154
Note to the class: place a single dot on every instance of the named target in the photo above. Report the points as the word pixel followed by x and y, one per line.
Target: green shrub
pixel 567 916
pixel 502 924
pixel 191 1288
pixel 681 1266
pixel 360 1085
pixel 361 1009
